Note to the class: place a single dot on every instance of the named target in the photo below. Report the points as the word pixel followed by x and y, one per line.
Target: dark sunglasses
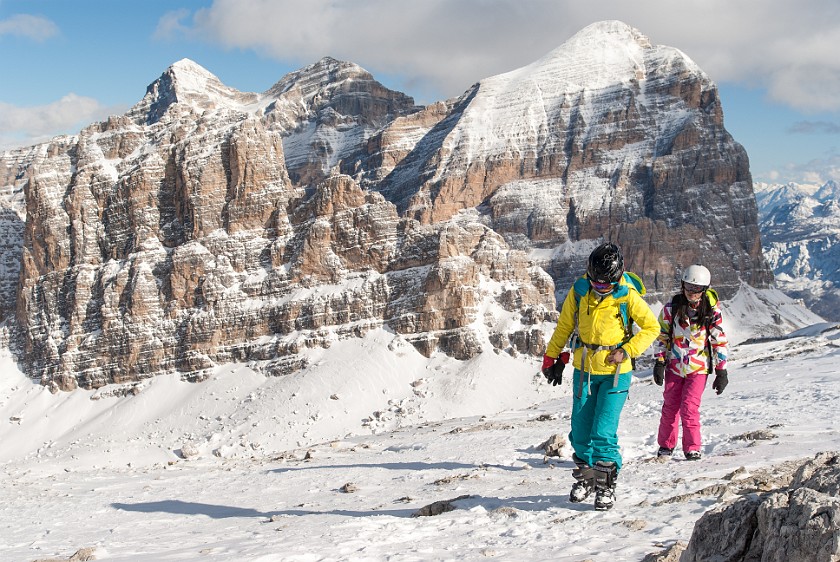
pixel 692 288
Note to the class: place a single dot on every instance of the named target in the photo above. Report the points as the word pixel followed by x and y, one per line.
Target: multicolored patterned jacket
pixel 686 346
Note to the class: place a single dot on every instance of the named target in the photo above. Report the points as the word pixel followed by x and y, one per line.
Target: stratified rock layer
pixel 208 225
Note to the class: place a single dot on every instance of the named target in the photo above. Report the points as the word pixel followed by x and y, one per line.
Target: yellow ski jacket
pixel 600 324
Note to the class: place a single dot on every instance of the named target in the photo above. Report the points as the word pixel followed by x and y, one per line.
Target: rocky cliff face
pixel 172 239
pixel 606 137
pixel 208 225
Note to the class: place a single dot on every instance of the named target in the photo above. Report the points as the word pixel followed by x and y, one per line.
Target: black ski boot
pixel 693 455
pixel 581 490
pixel 604 498
pixel 664 452
pixel 606 474
pixel 585 476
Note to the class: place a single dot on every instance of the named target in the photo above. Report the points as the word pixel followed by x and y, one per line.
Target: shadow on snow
pixel 178 507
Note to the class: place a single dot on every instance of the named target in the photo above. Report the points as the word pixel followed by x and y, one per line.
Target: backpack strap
pixel 674 309
pixel 580 288
pixel 712 297
pixel 634 282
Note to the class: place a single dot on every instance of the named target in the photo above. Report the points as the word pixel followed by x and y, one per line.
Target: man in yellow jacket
pixel 597 315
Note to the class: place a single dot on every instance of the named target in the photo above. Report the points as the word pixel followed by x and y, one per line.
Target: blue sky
pixel 70 63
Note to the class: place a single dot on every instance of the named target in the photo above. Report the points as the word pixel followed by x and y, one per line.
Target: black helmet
pixel 606 264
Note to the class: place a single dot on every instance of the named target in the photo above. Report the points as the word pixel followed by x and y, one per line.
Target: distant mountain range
pixel 800 231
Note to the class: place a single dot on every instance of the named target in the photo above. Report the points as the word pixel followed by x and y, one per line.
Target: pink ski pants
pixel 682 402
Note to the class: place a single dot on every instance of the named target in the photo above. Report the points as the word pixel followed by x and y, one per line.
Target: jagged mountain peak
pixel 604 55
pixel 327 71
pixel 800 235
pixel 207 200
pixel 587 126
pixel 188 67
pixel 504 113
pixel 771 197
pixel 829 191
pixel 326 112
pixel 186 81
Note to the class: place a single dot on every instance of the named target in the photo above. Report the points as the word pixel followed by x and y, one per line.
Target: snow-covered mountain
pixel 208 226
pixel 599 138
pixel 800 228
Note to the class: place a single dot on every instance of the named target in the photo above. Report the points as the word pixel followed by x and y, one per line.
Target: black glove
pixel 659 373
pixel 721 380
pixel 554 373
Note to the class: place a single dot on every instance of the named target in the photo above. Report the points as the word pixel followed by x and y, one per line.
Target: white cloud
pixel 815 128
pixel 170 25
pixel 817 171
pixel 25 25
pixel 447 45
pixel 814 178
pixel 808 88
pixel 24 126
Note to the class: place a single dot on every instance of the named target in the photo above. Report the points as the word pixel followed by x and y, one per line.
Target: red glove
pixel 552 368
pixel 548 362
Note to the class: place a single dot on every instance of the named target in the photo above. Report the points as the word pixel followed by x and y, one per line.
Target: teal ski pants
pixel 595 416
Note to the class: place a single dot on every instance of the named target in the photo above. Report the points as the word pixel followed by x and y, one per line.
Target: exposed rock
pixel 11 232
pixel 758 435
pixel 629 147
pixel 671 554
pixel 553 445
pixel 189 450
pixel 800 522
pixel 327 112
pixel 438 507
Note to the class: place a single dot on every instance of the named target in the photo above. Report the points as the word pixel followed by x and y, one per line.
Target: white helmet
pixel 697 275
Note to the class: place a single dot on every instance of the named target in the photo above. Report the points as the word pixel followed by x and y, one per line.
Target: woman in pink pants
pixel 691 344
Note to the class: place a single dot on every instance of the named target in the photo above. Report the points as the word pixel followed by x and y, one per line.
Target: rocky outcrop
pixel 208 225
pixel 326 113
pixel 791 524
